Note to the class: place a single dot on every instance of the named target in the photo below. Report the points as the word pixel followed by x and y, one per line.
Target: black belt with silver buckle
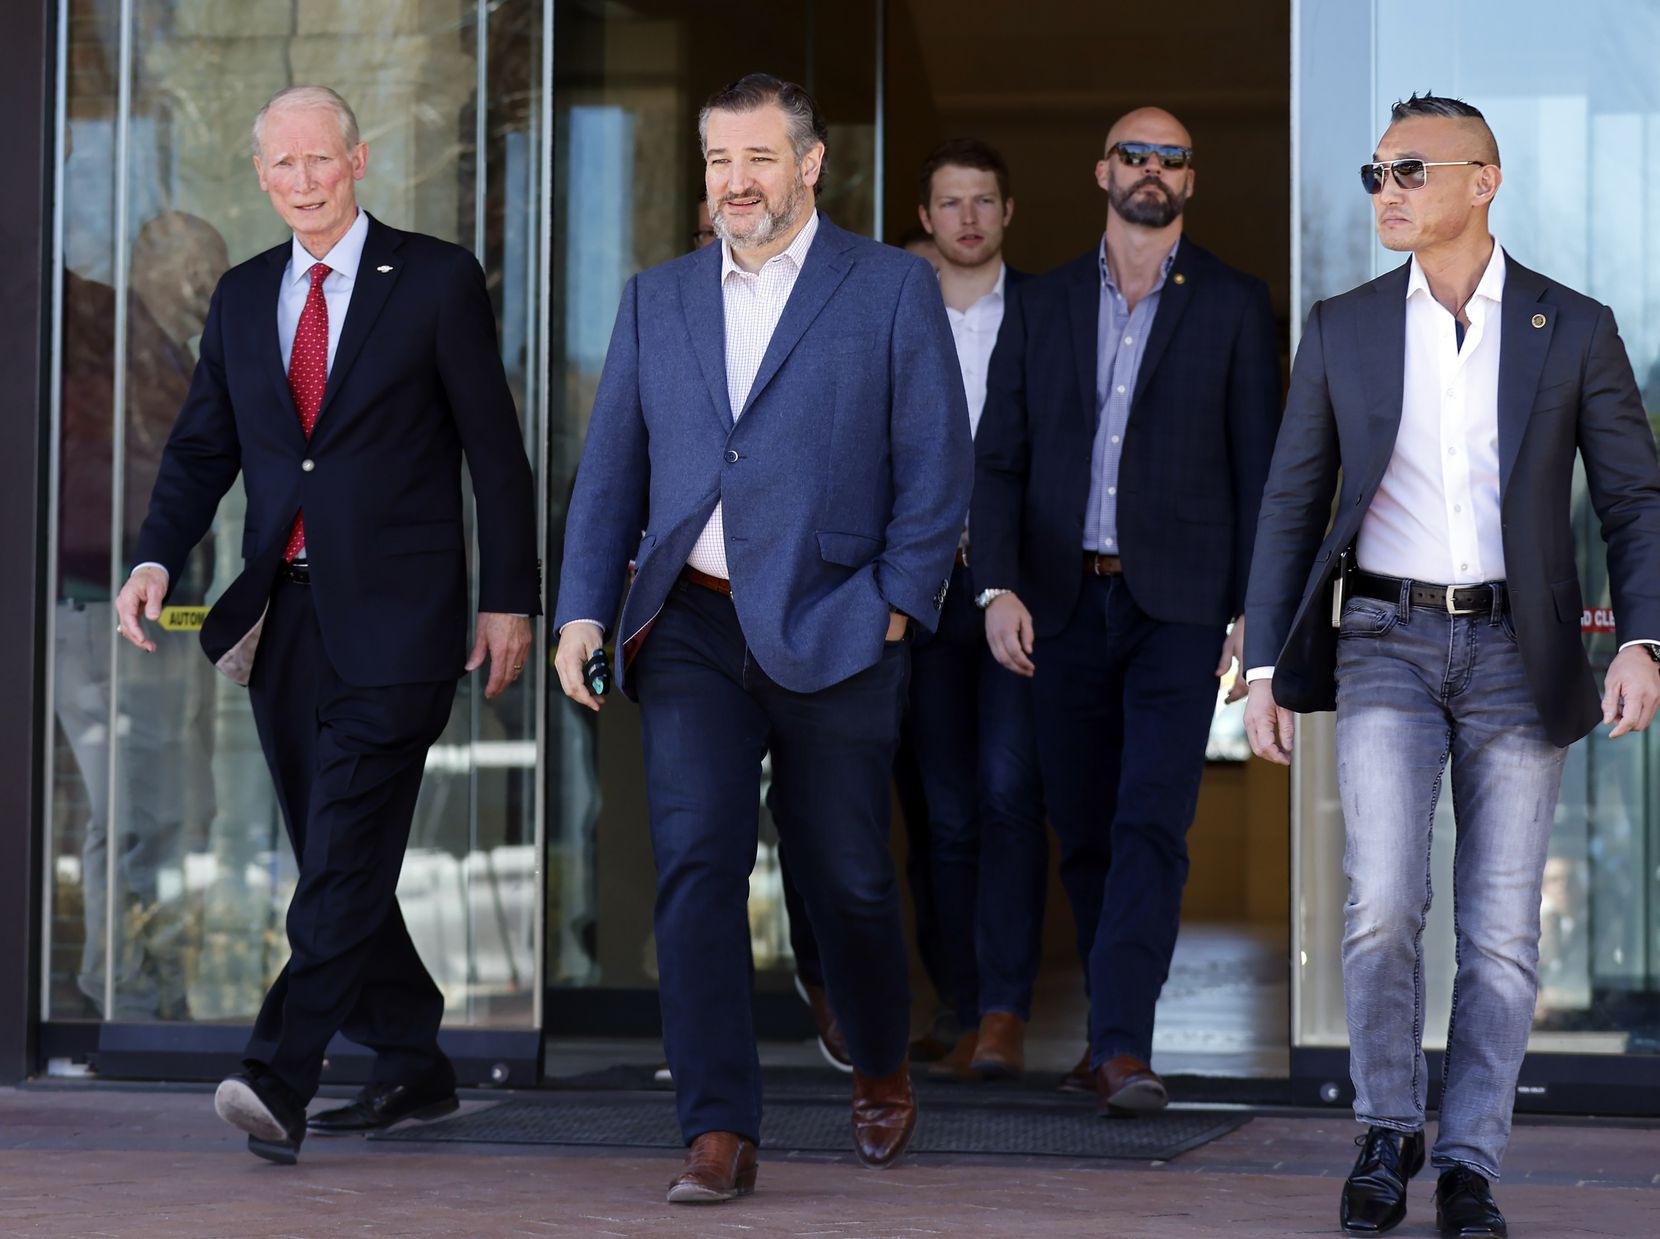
pixel 297 572
pixel 1450 599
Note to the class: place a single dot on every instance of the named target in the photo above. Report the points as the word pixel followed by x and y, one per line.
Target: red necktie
pixel 308 374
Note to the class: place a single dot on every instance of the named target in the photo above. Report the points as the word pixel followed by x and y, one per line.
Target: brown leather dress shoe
pixel 831 1041
pixel 1081 1079
pixel 1000 1052
pixel 720 1166
pixel 884 1115
pixel 1125 1087
pixel 958 1065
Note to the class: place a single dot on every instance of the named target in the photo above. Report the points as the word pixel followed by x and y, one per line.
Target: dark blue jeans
pixel 970 727
pixel 709 713
pixel 1124 703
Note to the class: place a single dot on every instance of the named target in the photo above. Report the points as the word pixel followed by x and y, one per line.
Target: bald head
pixel 1153 125
pixel 1146 190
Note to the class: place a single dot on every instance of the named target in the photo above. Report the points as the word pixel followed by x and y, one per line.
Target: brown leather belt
pixel 1102 565
pixel 717 583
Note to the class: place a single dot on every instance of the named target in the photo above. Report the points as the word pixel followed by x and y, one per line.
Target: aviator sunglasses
pixel 1134 154
pixel 1408 173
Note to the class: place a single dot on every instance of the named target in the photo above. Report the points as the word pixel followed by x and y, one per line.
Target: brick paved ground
pixel 96 1161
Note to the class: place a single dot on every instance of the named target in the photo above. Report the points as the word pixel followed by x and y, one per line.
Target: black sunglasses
pixel 1134 154
pixel 1408 173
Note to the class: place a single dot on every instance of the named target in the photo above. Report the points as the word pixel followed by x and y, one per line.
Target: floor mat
pixel 823 1126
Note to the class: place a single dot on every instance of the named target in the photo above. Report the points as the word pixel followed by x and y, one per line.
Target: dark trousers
pixel 913 810
pixel 970 727
pixel 708 714
pixel 1124 705
pixel 347 764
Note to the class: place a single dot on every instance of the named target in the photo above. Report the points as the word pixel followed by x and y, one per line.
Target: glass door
pixel 627 179
pixel 1575 105
pixel 168 871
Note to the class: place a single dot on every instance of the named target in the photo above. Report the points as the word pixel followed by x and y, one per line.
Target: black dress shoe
pixel 381 1105
pixel 1464 1207
pixel 255 1101
pixel 1374 1198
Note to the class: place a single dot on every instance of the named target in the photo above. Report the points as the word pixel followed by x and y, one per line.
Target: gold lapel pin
pixel 1179 278
pixel 1538 320
pixel 384 270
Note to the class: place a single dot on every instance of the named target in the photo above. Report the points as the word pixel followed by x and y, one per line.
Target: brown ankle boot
pixel 720 1165
pixel 884 1115
pixel 1125 1087
pixel 1001 1051
pixel 957 1065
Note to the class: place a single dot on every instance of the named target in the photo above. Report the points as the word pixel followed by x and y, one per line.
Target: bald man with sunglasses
pixel 1131 407
pixel 1438 611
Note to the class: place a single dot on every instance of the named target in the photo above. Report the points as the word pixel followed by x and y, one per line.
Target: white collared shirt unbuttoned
pixel 753 302
pixel 975 332
pixel 1435 517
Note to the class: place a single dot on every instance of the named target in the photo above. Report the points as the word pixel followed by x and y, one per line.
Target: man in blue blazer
pixel 1436 608
pixel 1129 421
pixel 344 375
pixel 780 442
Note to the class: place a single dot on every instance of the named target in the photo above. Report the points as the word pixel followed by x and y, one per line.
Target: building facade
pixel 142 855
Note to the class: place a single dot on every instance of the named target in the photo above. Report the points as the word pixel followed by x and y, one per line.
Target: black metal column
pixel 26 100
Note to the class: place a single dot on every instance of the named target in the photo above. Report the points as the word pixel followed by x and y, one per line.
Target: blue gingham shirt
pixel 1120 342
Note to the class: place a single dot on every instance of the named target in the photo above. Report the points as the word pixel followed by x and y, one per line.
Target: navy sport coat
pixel 1201 431
pixel 417 383
pixel 843 483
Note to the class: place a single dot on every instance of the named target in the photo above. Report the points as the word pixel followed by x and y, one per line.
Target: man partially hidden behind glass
pixel 345 373
pixel 1455 629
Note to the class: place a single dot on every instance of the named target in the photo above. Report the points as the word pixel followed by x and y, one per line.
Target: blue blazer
pixel 843 483
pixel 1201 432
pixel 417 383
pixel 1566 390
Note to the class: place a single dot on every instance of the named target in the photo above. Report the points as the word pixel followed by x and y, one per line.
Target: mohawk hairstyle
pixel 1446 106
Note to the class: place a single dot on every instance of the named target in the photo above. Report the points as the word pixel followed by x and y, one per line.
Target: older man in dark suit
pixel 781 415
pixel 1451 397
pixel 345 374
pixel 1129 420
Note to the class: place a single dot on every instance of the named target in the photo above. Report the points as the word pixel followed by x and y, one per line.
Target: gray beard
pixel 1148 214
pixel 768 228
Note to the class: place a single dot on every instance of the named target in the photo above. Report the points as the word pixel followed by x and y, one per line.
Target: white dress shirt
pixel 1435 517
pixel 342 262
pixel 753 304
pixel 975 332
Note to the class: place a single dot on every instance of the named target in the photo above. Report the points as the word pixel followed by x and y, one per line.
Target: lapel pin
pixel 1179 278
pixel 383 270
pixel 1538 320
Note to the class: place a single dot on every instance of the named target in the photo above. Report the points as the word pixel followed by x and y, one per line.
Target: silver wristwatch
pixel 984 597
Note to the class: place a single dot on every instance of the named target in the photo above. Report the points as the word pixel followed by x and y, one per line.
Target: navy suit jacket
pixel 1201 431
pixel 417 383
pixel 843 483
pixel 1565 386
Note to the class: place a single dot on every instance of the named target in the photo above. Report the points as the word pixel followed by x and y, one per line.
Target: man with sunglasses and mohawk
pixel 1439 614
pixel 1131 407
